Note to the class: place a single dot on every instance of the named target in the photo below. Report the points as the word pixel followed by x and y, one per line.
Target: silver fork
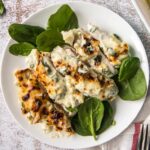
pixel 144 139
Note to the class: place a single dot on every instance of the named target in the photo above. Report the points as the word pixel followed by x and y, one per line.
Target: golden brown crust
pixel 36 101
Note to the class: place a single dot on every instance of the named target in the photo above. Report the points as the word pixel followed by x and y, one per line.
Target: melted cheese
pixel 37 105
pixel 114 49
pixel 109 90
pixel 100 87
pixel 33 97
pixel 64 60
pixel 71 100
pixel 88 49
pixel 101 65
pixel 85 45
pixel 54 84
pixel 48 77
pixel 32 59
pixel 72 97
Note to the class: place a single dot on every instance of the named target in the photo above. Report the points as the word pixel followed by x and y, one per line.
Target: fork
pixel 144 139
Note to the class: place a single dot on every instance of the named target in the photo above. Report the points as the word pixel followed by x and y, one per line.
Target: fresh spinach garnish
pixel 76 125
pixel 128 68
pixel 2 7
pixel 48 40
pixel 133 88
pixel 131 80
pixel 107 119
pixel 93 116
pixel 63 20
pixel 24 33
pixel 23 49
pixel 89 117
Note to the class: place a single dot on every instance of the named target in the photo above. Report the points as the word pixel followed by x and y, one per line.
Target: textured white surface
pixel 11 135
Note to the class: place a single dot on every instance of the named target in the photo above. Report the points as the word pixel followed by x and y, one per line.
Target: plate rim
pixel 32 15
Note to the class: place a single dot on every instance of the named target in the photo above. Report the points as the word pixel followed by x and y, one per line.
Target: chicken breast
pixel 53 82
pixel 111 45
pixel 47 75
pixel 64 60
pixel 36 104
pixel 88 50
pixel 32 96
pixel 85 45
pixel 100 87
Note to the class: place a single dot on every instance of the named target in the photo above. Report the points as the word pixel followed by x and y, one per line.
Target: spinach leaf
pixel 105 124
pixel 128 68
pixel 134 88
pixel 23 49
pixel 2 7
pixel 76 125
pixel 107 119
pixel 24 33
pixel 64 19
pixel 48 40
pixel 90 115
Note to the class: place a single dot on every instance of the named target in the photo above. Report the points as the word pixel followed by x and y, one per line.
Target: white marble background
pixel 12 136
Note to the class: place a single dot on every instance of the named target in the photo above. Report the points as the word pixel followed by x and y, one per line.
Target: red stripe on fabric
pixel 135 135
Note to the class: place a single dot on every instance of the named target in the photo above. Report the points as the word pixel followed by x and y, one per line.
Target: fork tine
pixel 146 140
pixel 139 145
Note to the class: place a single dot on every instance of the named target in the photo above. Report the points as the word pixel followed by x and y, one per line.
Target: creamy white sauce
pixel 64 60
pixel 48 65
pixel 110 44
pixel 32 59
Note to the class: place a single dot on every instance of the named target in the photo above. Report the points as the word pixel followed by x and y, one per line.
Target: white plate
pixel 126 111
pixel 144 11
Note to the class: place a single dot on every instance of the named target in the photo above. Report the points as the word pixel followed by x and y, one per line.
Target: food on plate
pixel 46 74
pixel 111 45
pixel 37 105
pixel 100 87
pixel 93 117
pixel 74 74
pixel 64 60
